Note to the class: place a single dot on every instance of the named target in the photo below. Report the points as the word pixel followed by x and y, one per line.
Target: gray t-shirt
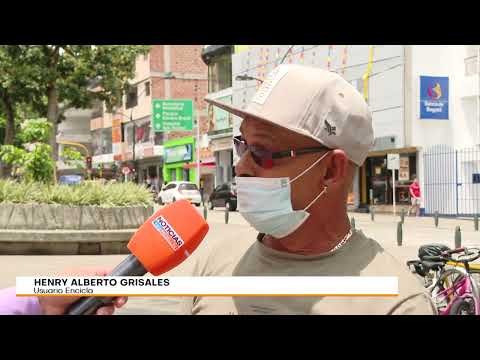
pixel 360 256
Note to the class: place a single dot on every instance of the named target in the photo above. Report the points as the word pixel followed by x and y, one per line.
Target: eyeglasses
pixel 264 157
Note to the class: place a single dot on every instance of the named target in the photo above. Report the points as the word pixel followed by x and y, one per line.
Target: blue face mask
pixel 266 204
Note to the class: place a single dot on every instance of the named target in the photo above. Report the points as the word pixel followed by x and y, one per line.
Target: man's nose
pixel 246 166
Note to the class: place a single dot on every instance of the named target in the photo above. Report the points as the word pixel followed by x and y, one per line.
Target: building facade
pixel 74 132
pixel 218 58
pixel 442 150
pixel 125 143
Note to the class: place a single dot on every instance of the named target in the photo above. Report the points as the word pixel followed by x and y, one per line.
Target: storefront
pixel 376 181
pixel 150 168
pixel 221 136
pixel 207 175
pixel 177 154
pixel 221 145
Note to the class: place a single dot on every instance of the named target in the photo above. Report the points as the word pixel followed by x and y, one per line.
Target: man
pixel 10 304
pixel 415 196
pixel 304 134
pixel 148 182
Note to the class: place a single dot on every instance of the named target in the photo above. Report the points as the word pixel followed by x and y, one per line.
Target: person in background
pixel 415 196
pixel 148 182
pixel 155 184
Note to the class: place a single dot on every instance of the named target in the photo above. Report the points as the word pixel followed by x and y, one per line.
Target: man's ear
pixel 336 164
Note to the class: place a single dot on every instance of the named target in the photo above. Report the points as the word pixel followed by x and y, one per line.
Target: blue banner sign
pixel 434 97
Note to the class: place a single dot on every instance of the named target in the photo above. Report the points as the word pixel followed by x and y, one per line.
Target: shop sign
pixel 178 153
pixel 404 173
pixel 221 144
pixel 434 97
pixel 393 161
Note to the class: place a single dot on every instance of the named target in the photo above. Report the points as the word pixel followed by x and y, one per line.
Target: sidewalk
pixel 416 232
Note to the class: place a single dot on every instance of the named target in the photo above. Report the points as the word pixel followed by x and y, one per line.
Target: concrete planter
pixel 57 217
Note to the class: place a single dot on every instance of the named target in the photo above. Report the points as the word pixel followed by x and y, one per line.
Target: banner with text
pixel 434 97
pixel 208 286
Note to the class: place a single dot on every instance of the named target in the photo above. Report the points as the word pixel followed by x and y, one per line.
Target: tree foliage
pixel 51 79
pixel 33 159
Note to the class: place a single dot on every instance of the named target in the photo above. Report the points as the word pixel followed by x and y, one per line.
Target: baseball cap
pixel 312 102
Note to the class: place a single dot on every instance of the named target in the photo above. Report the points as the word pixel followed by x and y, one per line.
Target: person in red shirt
pixel 415 196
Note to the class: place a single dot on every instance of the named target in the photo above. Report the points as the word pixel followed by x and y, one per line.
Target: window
pixel 147 88
pixel 158 138
pixel 128 134
pixel 187 187
pixel 152 171
pixel 220 73
pixel 102 141
pixel 142 133
pixel 171 186
pixel 107 141
pixel 132 97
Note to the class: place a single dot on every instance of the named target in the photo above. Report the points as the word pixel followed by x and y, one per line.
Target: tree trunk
pixel 10 124
pixel 9 129
pixel 52 112
pixel 52 116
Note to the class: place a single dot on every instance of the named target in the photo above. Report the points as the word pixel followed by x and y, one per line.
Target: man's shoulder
pixel 386 262
pixel 224 245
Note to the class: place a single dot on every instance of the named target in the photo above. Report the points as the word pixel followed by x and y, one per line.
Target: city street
pixel 417 231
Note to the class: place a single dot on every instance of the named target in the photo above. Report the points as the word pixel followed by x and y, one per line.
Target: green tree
pixel 73 157
pixel 69 72
pixel 20 83
pixel 59 77
pixel 20 94
pixel 33 158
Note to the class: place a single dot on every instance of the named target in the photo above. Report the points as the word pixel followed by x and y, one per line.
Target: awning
pixel 407 150
pixel 207 165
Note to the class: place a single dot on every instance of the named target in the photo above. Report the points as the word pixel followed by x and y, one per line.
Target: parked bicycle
pixel 448 277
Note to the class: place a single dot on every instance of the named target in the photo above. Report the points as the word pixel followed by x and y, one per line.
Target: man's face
pixel 274 139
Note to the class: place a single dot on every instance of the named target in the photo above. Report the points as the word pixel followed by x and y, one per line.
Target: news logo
pixel 163 227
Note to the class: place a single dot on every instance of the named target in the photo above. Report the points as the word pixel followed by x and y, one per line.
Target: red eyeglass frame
pixel 264 157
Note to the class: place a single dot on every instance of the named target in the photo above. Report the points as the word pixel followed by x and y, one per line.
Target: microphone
pixel 164 241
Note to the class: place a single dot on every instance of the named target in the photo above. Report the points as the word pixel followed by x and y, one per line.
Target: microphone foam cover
pixel 168 237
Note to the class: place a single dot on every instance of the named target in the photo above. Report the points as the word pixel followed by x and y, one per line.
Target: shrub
pixel 87 193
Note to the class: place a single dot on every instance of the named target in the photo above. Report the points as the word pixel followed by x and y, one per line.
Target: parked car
pixel 225 196
pixel 179 190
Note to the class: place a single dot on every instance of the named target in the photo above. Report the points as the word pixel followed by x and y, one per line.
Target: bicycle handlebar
pixel 435 258
pixel 454 251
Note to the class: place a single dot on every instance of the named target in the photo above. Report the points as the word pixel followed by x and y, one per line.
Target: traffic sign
pixel 393 161
pixel 125 170
pixel 172 115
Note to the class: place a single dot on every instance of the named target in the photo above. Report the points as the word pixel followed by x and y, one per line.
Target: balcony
pixel 215 134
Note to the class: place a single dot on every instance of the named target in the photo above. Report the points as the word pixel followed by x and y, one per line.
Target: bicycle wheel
pixel 445 291
pixel 464 306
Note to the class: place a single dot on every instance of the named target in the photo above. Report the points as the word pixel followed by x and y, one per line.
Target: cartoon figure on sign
pixel 435 93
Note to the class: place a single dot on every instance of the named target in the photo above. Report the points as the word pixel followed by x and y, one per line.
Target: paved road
pixel 417 231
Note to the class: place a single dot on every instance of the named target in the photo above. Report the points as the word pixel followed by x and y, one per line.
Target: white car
pixel 179 190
